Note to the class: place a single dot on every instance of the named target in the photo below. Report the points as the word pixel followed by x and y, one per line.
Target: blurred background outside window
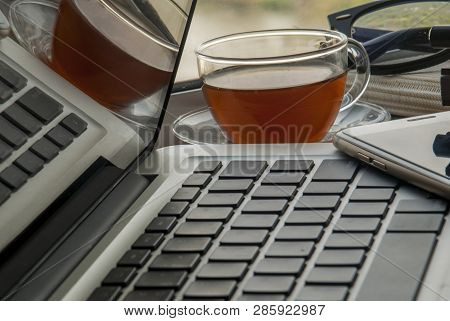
pixel 215 18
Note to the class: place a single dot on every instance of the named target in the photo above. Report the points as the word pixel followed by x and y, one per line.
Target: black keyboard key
pixel 206 229
pixel 336 170
pixel 297 165
pixel 148 241
pixel 74 124
pixel 284 178
pixel 244 169
pixel 22 119
pixel 222 200
pixel 11 77
pixel 11 134
pixel 5 151
pixel 332 275
pixel 210 289
pixel 40 105
pixel 341 258
pixel 232 186
pixel 326 188
pixel 161 224
pixel 365 209
pixel 186 194
pixel 255 221
pixel 222 214
pixel 315 217
pixel 275 192
pixel 323 293
pixel 376 179
pixel 349 241
pixel 265 206
pixel 13 177
pixel 280 266
pixel 262 297
pixel 234 254
pixel 245 237
pixel 373 195
pixel 290 249
pixel 150 295
pixel 60 136
pixel 105 293
pixel 197 180
pixel 120 276
pixel 136 258
pixel 422 206
pixel 177 209
pixel 300 233
pixel 161 280
pixel 225 271
pixel 398 267
pixel 357 224
pixel 187 245
pixel 45 149
pixel 327 202
pixel 270 284
pixel 5 93
pixel 416 223
pixel 5 193
pixel 29 163
pixel 175 261
pixel 211 167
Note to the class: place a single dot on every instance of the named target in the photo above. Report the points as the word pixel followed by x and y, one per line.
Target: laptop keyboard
pixel 25 114
pixel 247 230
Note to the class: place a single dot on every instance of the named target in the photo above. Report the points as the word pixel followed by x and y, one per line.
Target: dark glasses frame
pixel 343 21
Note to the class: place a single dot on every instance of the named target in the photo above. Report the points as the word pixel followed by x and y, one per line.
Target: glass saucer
pixel 199 126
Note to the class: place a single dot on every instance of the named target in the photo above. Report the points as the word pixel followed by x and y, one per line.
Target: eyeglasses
pixel 399 35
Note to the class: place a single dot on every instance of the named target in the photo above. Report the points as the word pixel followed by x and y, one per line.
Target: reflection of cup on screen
pixel 101 48
pixel 280 86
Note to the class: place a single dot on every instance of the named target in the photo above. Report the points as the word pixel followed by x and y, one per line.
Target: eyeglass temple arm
pixel 366 34
pixel 439 37
pixel 409 38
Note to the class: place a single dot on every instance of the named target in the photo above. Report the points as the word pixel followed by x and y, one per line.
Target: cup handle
pixel 359 59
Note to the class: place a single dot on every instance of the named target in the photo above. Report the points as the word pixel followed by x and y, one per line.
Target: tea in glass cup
pixel 284 86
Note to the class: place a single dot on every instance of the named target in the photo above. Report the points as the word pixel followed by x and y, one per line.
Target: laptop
pixel 107 216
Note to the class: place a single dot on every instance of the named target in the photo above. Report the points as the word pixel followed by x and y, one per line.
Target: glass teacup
pixel 281 86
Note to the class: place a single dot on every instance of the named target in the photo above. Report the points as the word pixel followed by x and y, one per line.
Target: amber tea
pixel 273 104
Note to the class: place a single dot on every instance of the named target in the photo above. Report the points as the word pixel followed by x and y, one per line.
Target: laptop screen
pixel 150 51
pixel 124 55
pixel 118 61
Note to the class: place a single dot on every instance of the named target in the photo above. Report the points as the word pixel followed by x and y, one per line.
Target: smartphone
pixel 416 149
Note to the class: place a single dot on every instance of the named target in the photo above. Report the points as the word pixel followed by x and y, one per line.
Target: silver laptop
pixel 109 217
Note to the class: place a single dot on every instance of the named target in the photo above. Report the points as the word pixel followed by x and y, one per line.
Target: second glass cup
pixel 281 86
